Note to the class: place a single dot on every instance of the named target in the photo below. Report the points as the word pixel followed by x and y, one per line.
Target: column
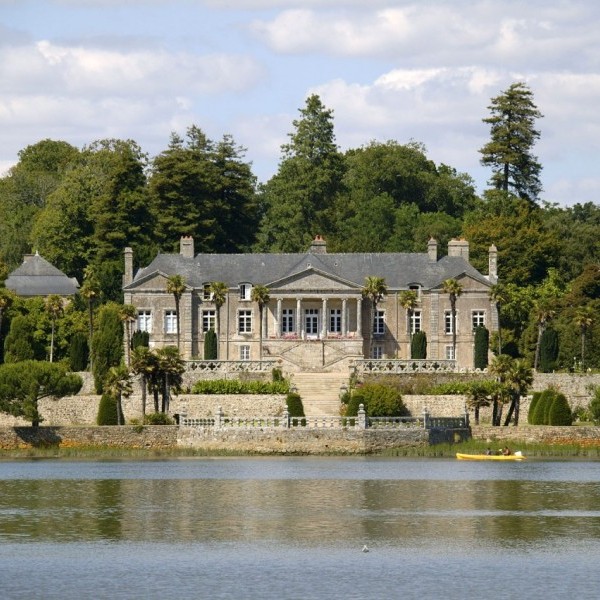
pixel 299 316
pixel 344 324
pixel 279 313
pixel 359 317
pixel 324 319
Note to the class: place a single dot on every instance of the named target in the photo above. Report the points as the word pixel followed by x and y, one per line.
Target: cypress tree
pixel 482 342
pixel 418 347
pixel 107 411
pixel 210 345
pixel 78 352
pixel 548 350
pixel 140 339
pixel 531 413
pixel 107 343
pixel 20 344
pixel 560 412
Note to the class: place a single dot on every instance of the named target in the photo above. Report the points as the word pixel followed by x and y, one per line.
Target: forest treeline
pixel 81 207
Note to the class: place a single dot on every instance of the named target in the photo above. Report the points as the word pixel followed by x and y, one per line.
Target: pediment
pixel 152 281
pixel 470 283
pixel 311 280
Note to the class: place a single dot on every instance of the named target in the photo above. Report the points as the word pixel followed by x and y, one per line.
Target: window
pixel 416 320
pixel 416 288
pixel 208 320
pixel 170 321
pixel 311 318
pixel 335 320
pixel 448 329
pixel 245 291
pixel 377 352
pixel 245 321
pixel 478 318
pixel 379 322
pixel 206 293
pixel 244 352
pixel 287 320
pixel 450 353
pixel 144 321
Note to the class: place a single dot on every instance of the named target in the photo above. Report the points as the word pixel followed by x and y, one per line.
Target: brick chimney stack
pixel 186 246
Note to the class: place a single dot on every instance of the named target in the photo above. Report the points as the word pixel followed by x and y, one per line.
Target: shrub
pixel 595 406
pixel 276 374
pixel 235 386
pixel 158 419
pixel 20 342
pixel 140 339
pixel 560 411
pixel 210 345
pixel 379 401
pixel 107 411
pixel 418 346
pixel 482 344
pixel 294 405
pixel 78 352
pixel 531 413
pixel 548 351
pixel 542 407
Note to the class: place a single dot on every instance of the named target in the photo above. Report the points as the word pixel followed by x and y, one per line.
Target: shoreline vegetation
pixel 91 452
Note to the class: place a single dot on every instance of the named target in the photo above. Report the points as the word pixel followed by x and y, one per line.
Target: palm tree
pixel 454 289
pixel 374 289
pixel 500 367
pixel 54 307
pixel 176 286
pixel 516 377
pixel 6 300
pixel 478 397
pixel 170 370
pixel 499 296
pixel 260 295
pixel 118 385
pixel 143 363
pixel 584 319
pixel 90 290
pixel 218 291
pixel 544 313
pixel 409 301
pixel 128 314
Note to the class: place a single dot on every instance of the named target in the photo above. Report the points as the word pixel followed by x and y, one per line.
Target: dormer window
pixel 206 292
pixel 245 291
pixel 416 288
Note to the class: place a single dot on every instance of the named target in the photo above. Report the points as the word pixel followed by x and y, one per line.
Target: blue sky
pixel 83 70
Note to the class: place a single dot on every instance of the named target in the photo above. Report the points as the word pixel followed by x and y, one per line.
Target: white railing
pixel 396 366
pixel 230 366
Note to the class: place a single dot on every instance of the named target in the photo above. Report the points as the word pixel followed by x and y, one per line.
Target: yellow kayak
pixel 515 456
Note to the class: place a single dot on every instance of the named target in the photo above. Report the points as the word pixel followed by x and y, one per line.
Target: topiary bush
pixel 560 412
pixel 79 352
pixel 107 411
pixel 294 405
pixel 235 386
pixel 542 407
pixel 532 406
pixel 210 345
pixel 418 346
pixel 482 344
pixel 158 419
pixel 379 401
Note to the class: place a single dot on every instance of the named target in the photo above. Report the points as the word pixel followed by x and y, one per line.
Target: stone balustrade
pixel 393 366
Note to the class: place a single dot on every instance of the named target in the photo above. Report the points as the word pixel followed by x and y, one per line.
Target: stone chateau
pixel 316 318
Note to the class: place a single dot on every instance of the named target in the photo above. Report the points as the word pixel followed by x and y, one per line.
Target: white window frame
pixel 144 320
pixel 449 352
pixel 449 322
pixel 416 321
pixel 288 316
pixel 209 320
pixel 478 318
pixel 379 322
pixel 245 352
pixel 335 320
pixel 245 321
pixel 377 352
pixel 170 321
pixel 311 321
pixel 245 291
pixel 206 293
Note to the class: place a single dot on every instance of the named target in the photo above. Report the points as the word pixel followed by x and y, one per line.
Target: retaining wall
pixel 541 434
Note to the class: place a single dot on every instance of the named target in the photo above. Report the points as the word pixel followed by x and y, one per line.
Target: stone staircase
pixel 320 392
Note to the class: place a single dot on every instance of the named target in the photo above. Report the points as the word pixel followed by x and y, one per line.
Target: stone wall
pixel 540 434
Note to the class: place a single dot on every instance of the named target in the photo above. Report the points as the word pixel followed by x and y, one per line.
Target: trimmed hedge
pixel 107 411
pixel 550 407
pixel 482 344
pixel 210 345
pixel 294 405
pixel 379 401
pixel 235 386
pixel 560 411
pixel 418 346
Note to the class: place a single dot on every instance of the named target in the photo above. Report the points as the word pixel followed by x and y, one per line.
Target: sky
pixel 426 71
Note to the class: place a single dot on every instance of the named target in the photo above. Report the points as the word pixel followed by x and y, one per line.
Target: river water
pixel 295 528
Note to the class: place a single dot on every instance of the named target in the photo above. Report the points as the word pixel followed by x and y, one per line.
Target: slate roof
pixel 37 277
pixel 399 269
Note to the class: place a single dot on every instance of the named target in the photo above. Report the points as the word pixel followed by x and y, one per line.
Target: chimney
pixel 432 249
pixel 318 246
pixel 493 263
pixel 459 248
pixel 186 246
pixel 128 274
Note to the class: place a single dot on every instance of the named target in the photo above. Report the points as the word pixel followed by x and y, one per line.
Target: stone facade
pixel 316 318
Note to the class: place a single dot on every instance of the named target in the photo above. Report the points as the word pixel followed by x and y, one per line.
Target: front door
pixel 311 322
